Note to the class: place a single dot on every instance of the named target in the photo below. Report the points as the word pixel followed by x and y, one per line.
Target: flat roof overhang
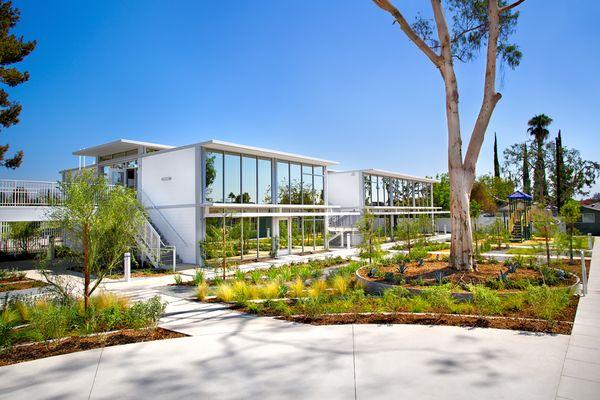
pixel 118 146
pixel 391 174
pixel 266 153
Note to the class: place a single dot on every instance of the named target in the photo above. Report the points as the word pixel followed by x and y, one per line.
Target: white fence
pixel 37 242
pixel 29 193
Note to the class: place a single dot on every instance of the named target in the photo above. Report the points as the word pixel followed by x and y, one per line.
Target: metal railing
pixel 29 193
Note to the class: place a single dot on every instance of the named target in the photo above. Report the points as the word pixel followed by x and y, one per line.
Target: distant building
pixel 590 219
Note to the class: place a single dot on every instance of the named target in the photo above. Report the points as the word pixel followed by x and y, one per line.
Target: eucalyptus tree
pixel 538 128
pixel 474 24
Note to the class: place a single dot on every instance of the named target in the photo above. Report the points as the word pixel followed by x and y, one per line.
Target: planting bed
pixel 18 281
pixel 495 275
pixel 33 351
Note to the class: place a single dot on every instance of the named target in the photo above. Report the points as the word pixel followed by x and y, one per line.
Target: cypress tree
pixel 526 179
pixel 496 162
pixel 559 172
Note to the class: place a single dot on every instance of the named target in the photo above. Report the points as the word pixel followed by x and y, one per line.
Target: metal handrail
pixel 151 205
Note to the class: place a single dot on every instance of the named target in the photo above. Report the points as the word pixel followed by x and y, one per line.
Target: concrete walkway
pixel 231 355
pixel 581 371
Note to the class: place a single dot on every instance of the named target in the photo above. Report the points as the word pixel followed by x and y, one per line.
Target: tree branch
pixel 490 96
pixel 406 28
pixel 510 6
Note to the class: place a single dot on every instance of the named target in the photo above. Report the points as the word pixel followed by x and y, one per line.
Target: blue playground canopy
pixel 518 195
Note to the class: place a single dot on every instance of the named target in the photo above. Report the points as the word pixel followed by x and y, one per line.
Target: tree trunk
pixel 461 244
pixel 547 240
pixel 86 269
pixel 571 244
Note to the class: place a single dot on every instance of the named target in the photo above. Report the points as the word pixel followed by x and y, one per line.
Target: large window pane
pixel 319 190
pixel 295 184
pixel 264 181
pixel 283 178
pixel 214 177
pixel 232 178
pixel 307 185
pixel 249 180
pixel 368 190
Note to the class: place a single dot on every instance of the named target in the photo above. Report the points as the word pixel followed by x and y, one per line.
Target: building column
pixel 199 219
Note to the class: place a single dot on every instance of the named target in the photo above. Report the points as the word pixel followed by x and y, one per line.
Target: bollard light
pixel 127 267
pixel 583 273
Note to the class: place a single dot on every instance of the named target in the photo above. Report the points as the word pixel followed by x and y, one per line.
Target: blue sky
pixel 330 79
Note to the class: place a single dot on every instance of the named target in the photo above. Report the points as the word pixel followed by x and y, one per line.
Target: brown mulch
pixel 468 321
pixel 16 283
pixel 73 344
pixel 430 268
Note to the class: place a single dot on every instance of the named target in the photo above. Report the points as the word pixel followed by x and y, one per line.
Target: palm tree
pixel 538 129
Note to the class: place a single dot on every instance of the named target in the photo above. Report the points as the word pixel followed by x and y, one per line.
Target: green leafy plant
pixel 547 303
pixel 486 301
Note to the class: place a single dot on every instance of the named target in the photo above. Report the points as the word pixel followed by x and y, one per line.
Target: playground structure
pixel 519 216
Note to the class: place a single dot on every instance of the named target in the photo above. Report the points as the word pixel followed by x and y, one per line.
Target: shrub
pixel 486 302
pixel 224 292
pixel 239 275
pixel 439 298
pixel 201 291
pixel 198 277
pixel 49 321
pixel 178 280
pixel 145 313
pixel 270 290
pixel 394 300
pixel 297 288
pixel 418 304
pixel 256 276
pixel 317 289
pixel 241 292
pixel 547 303
pixel 340 284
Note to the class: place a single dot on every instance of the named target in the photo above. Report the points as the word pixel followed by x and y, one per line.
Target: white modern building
pixel 387 195
pixel 273 202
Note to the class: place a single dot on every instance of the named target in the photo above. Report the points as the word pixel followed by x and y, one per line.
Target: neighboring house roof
pixel 593 206
pixel 518 195
pixel 118 146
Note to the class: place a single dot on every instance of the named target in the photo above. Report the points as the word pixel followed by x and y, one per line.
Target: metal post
pixel 583 273
pixel 174 258
pixel 127 267
pixel 349 241
pixel 590 241
pixel 445 231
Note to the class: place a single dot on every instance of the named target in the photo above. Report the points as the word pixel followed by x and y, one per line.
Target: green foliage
pixel 439 298
pixel 178 279
pixel 22 233
pixel 370 247
pixel 198 277
pixel 103 220
pixel 570 213
pixel 486 301
pixel 547 303
pixel 15 49
pixel 224 292
pixel 441 191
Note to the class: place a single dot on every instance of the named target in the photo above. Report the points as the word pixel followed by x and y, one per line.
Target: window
pixel 283 177
pixel 368 190
pixel 319 190
pixel 214 177
pixel 295 184
pixel 307 185
pixel 264 181
pixel 232 178
pixel 249 180
pixel 588 218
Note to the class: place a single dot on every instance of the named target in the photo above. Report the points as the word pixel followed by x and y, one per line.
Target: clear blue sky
pixel 331 79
